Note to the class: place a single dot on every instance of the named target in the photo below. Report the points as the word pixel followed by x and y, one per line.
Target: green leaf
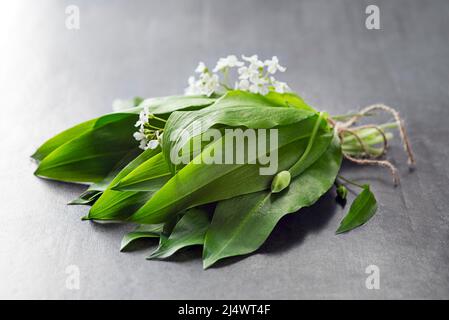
pixel 118 205
pixel 91 156
pixel 273 99
pixel 234 109
pixel 190 230
pixel 87 198
pixel 169 104
pixel 95 190
pixel 288 99
pixel 241 225
pixel 86 152
pixel 62 138
pixel 142 231
pixel 68 135
pixel 149 176
pixel 362 209
pixel 153 173
pixel 202 183
pixel 304 161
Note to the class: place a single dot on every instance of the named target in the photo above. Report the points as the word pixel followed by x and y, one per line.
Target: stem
pixel 350 182
pixel 360 135
pixel 226 77
pixel 225 86
pixel 294 169
pixel 340 117
pixel 157 118
pixel 369 141
pixel 154 127
pixel 365 133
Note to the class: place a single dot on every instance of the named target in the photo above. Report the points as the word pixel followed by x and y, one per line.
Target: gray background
pixel 52 78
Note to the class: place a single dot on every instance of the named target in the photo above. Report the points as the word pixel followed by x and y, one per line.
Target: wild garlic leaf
pixel 118 205
pixel 87 198
pixel 164 105
pixel 288 99
pixel 189 230
pixel 95 190
pixel 362 209
pixel 242 224
pixel 76 131
pixel 272 99
pixel 67 135
pixel 89 157
pixel 198 184
pixel 305 160
pixel 151 175
pixel 142 231
pixel 234 109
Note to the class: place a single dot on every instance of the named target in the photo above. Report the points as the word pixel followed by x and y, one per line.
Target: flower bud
pixel 342 192
pixel 280 181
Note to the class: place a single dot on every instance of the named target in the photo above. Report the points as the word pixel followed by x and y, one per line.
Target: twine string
pixel 368 157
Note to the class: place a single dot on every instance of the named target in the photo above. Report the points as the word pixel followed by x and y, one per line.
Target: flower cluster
pixel 149 135
pixel 254 75
pixel 207 83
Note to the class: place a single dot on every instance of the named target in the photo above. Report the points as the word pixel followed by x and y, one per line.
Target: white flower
pixel 258 88
pixel 260 80
pixel 201 68
pixel 152 144
pixel 143 117
pixel 248 73
pixel 138 135
pixel 210 83
pixel 228 62
pixel 254 61
pixel 207 84
pixel 143 144
pixel 191 89
pixel 253 76
pixel 242 85
pixel 279 86
pixel 259 85
pixel 273 65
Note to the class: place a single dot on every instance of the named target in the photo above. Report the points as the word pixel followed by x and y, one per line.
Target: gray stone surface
pixel 52 78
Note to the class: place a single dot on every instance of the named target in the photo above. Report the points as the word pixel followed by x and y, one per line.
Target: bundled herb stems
pixel 220 165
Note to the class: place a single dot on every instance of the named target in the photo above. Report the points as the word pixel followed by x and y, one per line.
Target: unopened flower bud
pixel 342 192
pixel 280 181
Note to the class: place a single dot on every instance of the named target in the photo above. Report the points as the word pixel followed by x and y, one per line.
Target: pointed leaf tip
pixel 362 209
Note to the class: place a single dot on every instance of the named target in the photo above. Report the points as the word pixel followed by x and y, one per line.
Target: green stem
pixel 350 182
pixel 157 118
pixel 154 127
pixel 342 117
pixel 226 77
pixel 295 168
pixel 225 86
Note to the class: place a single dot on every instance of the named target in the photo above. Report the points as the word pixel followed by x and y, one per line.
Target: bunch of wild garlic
pixel 219 166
